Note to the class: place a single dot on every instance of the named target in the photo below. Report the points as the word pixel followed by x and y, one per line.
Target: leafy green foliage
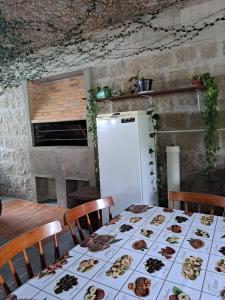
pixel 176 291
pixel 155 119
pixel 21 60
pixel 92 112
pixel 12 46
pixel 133 80
pixel 211 119
pixel 196 77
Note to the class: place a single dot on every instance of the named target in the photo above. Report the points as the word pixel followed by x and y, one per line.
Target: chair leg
pixel 42 256
pixel 29 269
pixel 99 219
pixel 74 238
pixel 89 224
pixel 57 253
pixel 14 274
pixel 80 230
pixel 110 213
pixel 4 286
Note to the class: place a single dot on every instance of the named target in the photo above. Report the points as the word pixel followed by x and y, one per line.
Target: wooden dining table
pixel 143 253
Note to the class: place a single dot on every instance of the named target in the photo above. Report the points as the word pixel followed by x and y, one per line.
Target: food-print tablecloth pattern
pixel 156 253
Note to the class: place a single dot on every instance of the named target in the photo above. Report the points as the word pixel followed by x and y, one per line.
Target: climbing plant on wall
pixel 155 120
pixel 92 112
pixel 211 119
pixel 22 58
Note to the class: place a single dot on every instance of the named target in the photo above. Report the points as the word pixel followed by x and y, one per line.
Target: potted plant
pixel 102 93
pixel 145 85
pixel 196 81
pixel 133 88
pixel 107 91
pixel 139 85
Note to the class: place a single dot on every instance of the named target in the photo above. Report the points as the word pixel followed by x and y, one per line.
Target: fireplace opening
pixel 46 190
pixel 80 192
pixel 71 187
pixel 67 133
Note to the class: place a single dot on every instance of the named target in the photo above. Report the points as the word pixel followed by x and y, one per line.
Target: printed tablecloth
pixel 144 253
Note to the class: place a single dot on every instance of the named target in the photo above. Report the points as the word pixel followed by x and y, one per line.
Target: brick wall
pixel 59 100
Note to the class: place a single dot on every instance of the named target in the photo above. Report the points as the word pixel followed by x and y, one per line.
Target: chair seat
pixel 88 192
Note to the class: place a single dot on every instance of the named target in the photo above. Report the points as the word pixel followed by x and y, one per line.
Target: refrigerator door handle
pixel 115 115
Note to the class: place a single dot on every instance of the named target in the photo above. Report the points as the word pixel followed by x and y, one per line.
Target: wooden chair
pixel 198 198
pixel 21 243
pixel 72 216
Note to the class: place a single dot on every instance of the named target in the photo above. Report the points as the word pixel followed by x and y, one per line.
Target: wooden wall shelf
pixel 154 93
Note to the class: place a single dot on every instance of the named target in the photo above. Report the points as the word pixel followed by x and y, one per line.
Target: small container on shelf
pixel 103 93
pixel 196 81
pixel 145 85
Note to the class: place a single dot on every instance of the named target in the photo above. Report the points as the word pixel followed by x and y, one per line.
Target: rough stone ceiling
pixel 43 23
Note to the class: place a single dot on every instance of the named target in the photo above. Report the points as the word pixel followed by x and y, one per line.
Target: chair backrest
pixel 72 216
pixel 198 198
pixel 21 243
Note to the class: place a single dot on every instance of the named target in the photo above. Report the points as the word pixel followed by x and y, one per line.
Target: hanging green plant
pixel 155 119
pixel 211 119
pixel 24 57
pixel 133 81
pixel 92 112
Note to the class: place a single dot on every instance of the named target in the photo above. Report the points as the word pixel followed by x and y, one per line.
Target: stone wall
pixel 15 178
pixel 181 122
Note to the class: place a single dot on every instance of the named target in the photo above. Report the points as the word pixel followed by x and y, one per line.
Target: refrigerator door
pixel 119 159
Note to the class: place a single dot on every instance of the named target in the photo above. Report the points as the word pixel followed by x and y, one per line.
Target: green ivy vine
pixel 155 119
pixel 20 60
pixel 211 119
pixel 92 112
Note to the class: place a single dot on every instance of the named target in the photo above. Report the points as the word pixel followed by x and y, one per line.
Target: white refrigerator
pixel 123 149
